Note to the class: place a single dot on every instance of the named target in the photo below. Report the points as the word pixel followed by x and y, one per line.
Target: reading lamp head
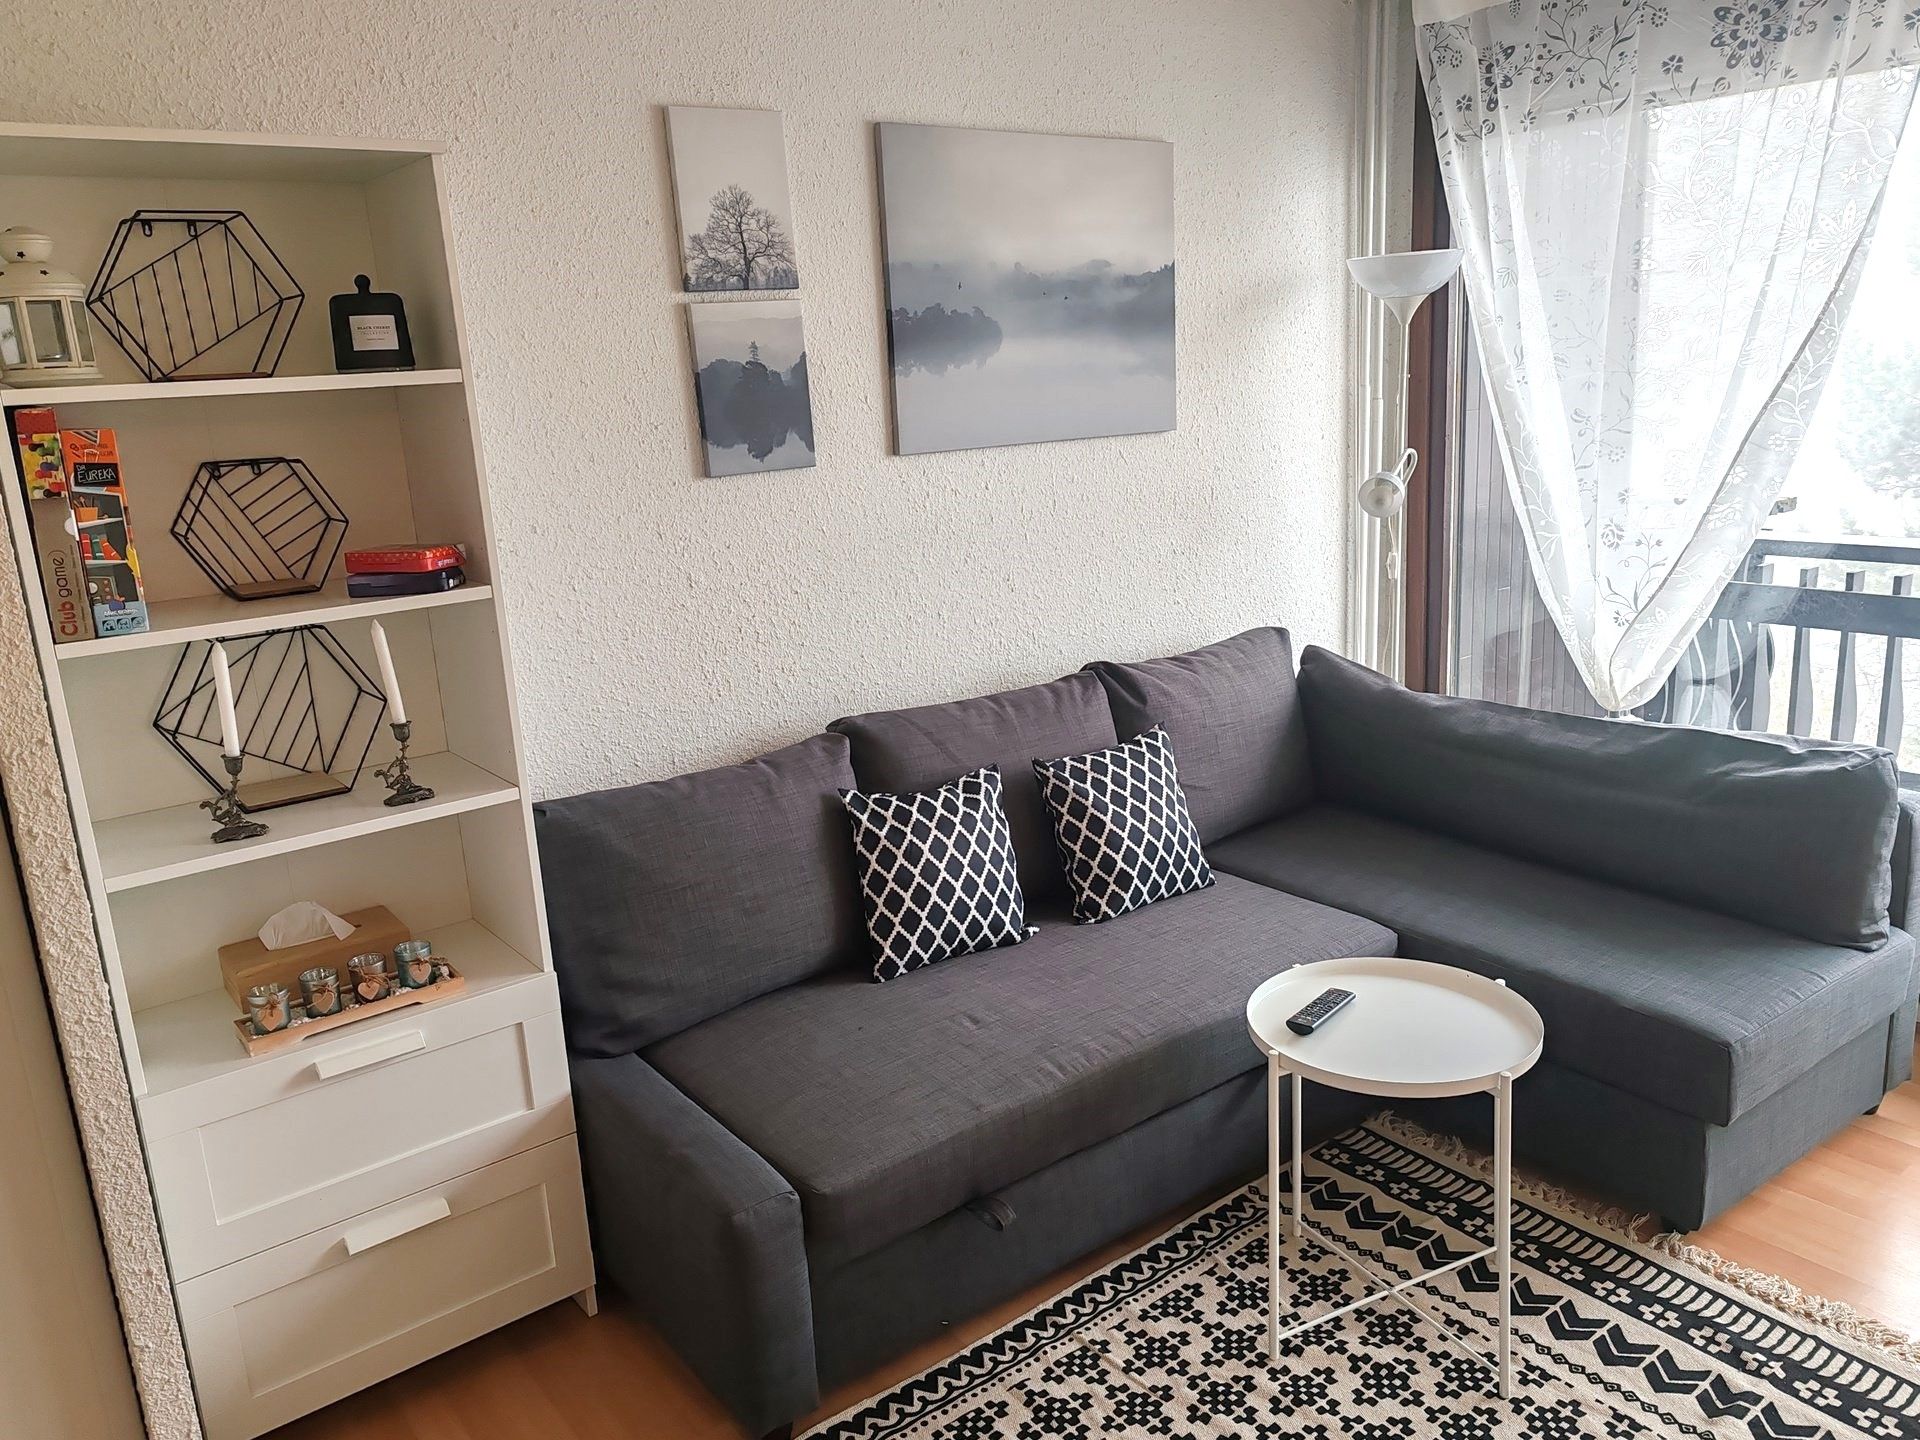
pixel 1383 492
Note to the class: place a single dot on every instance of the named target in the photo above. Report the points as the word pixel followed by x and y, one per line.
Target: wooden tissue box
pixel 247 963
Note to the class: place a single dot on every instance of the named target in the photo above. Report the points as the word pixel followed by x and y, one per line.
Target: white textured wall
pixel 41 826
pixel 757 609
pixel 63 1365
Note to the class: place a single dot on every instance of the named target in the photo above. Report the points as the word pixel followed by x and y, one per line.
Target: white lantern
pixel 44 335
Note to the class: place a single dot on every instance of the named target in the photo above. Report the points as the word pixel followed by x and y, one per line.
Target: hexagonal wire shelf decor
pixel 260 527
pixel 308 714
pixel 177 286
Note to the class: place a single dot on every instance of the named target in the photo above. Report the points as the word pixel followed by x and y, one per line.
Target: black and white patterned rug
pixel 1615 1339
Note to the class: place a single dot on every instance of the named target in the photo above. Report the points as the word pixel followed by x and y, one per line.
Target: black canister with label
pixel 370 330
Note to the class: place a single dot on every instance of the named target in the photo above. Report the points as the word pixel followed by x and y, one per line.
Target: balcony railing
pixel 1810 639
pixel 1779 625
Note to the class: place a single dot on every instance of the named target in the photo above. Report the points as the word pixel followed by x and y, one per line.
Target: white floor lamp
pixel 1402 282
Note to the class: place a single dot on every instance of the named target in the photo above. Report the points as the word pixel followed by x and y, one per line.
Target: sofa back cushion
pixel 1792 834
pixel 1232 711
pixel 673 901
pixel 928 745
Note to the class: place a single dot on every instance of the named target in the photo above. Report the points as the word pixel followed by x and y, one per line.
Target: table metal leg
pixel 1298 1167
pixel 1274 1073
pixel 1503 1222
pixel 1389 1286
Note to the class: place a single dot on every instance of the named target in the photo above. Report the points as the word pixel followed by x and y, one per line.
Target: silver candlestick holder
pixel 229 815
pixel 395 775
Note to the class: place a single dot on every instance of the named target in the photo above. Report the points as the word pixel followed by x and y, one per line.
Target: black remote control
pixel 1311 1016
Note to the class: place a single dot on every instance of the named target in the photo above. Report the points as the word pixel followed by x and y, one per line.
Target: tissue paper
pixel 300 922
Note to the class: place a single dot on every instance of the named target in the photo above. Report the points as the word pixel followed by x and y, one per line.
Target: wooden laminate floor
pixel 1844 1223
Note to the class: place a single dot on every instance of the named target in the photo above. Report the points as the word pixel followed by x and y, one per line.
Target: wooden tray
pixel 398 1000
pixel 246 963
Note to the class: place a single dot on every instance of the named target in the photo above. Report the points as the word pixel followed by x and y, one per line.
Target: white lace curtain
pixel 1664 208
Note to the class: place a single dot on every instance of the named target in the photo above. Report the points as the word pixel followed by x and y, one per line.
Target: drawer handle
pixel 395 1223
pixel 387 1047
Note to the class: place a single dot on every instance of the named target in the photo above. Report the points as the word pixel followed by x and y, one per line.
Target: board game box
pixel 109 565
pixel 56 541
pixel 404 559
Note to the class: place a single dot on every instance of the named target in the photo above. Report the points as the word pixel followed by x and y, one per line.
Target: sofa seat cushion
pixel 887 1106
pixel 1693 1010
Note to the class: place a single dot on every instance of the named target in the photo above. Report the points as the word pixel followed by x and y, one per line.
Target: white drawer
pixel 292 1072
pixel 285 1332
pixel 358 1123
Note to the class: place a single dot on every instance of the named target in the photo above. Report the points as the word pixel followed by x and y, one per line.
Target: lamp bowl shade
pixel 1405 276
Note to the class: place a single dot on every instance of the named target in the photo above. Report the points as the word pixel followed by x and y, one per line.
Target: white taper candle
pixel 389 682
pixel 223 693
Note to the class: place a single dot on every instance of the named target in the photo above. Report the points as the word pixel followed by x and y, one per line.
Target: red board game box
pixel 404 559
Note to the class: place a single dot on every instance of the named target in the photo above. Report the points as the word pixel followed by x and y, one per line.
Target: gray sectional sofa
pixel 796 1173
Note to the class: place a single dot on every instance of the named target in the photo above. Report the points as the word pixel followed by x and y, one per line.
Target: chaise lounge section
pixel 796 1173
pixel 1702 919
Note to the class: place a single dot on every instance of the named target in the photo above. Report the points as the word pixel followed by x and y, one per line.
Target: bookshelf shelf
pixel 111 151
pixel 74 396
pixel 169 844
pixel 208 617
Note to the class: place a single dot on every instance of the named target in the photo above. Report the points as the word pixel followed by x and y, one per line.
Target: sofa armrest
pixel 702 1234
pixel 1904 907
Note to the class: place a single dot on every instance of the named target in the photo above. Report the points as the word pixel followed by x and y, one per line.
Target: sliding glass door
pixel 1818 633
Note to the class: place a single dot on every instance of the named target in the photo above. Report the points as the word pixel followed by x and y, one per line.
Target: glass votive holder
pixel 320 990
pixel 268 1009
pixel 413 963
pixel 371 978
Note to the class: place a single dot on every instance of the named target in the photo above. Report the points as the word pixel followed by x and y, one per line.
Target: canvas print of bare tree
pixel 1029 285
pixel 750 377
pixel 730 189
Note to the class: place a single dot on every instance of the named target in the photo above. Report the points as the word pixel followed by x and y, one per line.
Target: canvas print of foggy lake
pixel 730 191
pixel 750 377
pixel 1029 285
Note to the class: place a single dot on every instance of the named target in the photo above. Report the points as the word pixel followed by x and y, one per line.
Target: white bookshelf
pixel 400 454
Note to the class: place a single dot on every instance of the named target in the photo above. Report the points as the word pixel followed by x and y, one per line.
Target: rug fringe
pixel 1775 1291
pixel 1783 1295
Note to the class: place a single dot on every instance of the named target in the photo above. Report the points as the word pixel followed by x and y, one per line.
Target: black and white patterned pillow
pixel 937 872
pixel 1123 828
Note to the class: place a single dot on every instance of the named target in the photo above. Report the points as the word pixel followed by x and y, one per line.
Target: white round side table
pixel 1414 1030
